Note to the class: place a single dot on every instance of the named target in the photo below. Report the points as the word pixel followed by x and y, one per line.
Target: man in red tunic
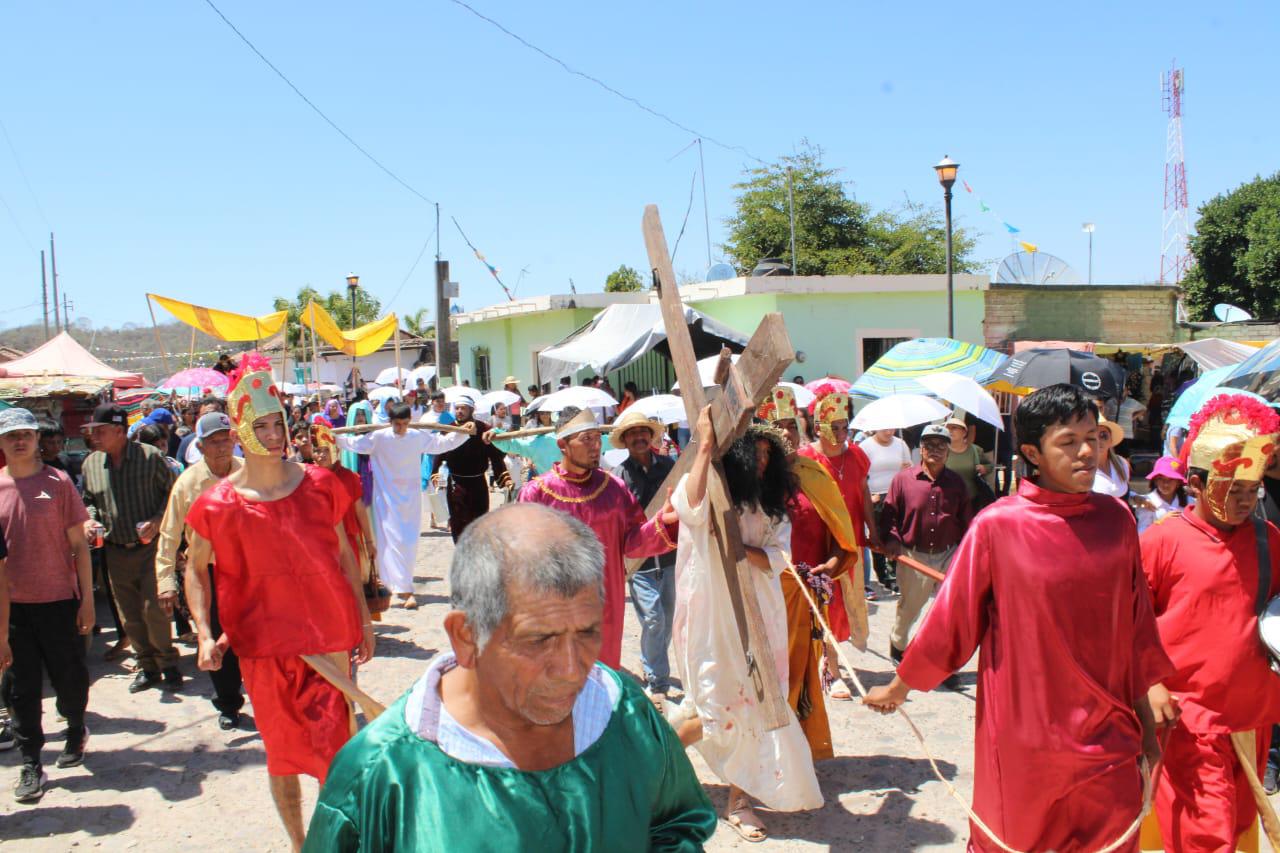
pixel 576 485
pixel 287 585
pixel 1048 583
pixel 1202 566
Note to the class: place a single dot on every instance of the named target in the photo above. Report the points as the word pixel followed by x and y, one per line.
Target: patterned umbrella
pixel 897 370
pixel 195 377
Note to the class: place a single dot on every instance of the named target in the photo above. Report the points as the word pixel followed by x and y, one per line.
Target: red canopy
pixel 63 356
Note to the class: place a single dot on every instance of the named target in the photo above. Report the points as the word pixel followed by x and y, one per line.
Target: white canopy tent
pixel 620 334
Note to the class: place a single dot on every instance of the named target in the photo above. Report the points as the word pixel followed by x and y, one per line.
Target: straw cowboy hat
pixel 1117 431
pixel 631 420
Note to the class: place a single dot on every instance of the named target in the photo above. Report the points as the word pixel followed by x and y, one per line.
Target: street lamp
pixel 353 284
pixel 1088 229
pixel 946 170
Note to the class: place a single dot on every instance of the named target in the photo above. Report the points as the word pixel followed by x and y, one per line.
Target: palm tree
pixel 419 324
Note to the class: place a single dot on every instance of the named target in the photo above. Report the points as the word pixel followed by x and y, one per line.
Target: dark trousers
pixel 44 639
pixel 468 500
pixel 886 569
pixel 227 682
pixel 133 580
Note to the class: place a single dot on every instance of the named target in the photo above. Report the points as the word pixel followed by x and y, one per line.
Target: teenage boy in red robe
pixel 1048 583
pixel 1202 565
pixel 287 585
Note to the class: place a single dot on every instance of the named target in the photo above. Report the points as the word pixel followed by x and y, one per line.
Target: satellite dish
pixel 1230 313
pixel 1035 268
pixel 721 272
pixel 771 266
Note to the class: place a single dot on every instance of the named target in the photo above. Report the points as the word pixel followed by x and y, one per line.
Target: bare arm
pixel 199 557
pixel 84 574
pixel 352 568
pixel 696 486
pixel 869 516
pixel 366 528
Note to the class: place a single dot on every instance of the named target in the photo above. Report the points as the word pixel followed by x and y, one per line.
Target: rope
pixel 1148 783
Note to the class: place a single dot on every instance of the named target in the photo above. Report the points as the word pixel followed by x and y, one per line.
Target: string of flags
pixel 1012 229
pixel 493 271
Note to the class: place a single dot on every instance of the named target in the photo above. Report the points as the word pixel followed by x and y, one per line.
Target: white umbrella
pixel 426 373
pixel 612 458
pixel 387 376
pixel 535 404
pixel 379 394
pixel 964 393
pixel 486 402
pixel 667 408
pixel 454 393
pixel 582 396
pixel 707 370
pixel 803 395
pixel 899 411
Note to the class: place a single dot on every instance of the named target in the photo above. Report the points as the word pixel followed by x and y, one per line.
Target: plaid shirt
pixel 121 498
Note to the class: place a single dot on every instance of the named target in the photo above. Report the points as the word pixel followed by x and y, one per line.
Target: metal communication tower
pixel 1175 254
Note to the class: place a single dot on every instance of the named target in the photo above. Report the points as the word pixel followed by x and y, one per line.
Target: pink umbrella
pixel 841 385
pixel 195 377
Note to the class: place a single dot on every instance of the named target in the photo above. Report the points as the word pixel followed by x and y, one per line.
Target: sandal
pixel 409 603
pixel 748 828
pixel 838 690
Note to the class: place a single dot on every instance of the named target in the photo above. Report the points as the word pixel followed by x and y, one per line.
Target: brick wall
pixel 1113 313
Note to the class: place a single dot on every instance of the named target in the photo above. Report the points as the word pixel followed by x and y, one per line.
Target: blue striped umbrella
pixel 896 371
pixel 1259 373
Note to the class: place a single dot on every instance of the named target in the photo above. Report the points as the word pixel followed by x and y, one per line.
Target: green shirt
pixel 633 789
pixel 121 498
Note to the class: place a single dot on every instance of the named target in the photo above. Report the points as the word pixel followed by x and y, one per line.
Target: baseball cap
pixel 159 416
pixel 12 420
pixel 935 431
pixel 210 423
pixel 108 413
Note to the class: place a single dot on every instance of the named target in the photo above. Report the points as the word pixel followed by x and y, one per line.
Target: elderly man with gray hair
pixel 518 739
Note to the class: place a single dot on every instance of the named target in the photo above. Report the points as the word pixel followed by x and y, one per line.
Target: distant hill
pixel 132 347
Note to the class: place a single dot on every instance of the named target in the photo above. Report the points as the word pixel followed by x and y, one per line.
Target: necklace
pixel 542 484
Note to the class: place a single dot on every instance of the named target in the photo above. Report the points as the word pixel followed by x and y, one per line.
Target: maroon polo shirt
pixel 923 514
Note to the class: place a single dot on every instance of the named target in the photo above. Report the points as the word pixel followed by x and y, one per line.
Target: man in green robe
pixel 518 739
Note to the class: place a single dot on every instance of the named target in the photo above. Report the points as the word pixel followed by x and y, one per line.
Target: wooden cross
pixel 743 384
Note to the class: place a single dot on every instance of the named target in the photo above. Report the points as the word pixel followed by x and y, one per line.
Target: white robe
pixel 775 767
pixel 397 494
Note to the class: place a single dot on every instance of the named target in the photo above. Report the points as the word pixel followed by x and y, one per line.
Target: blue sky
pixel 168 158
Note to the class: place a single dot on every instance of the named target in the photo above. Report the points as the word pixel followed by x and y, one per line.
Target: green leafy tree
pixel 1237 252
pixel 835 233
pixel 419 323
pixel 623 280
pixel 337 303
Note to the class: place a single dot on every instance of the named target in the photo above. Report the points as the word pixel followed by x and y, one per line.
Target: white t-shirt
pixel 885 462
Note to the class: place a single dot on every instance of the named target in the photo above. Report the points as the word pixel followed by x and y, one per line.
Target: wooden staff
pixel 525 433
pixel 1246 747
pixel 915 564
pixel 363 428
pixel 327 670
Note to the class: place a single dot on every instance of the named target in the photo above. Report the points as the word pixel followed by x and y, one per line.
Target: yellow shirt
pixel 191 484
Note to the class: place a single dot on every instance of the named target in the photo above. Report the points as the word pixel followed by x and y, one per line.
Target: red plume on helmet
pixel 823 390
pixel 250 362
pixel 1233 408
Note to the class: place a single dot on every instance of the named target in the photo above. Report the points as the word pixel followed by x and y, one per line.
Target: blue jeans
pixel 653 594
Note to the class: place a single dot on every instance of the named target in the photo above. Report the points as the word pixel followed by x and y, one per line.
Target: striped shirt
pixel 121 498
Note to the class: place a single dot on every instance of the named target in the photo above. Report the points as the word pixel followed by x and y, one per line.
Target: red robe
pixel 604 504
pixel 282 593
pixel 849 470
pixel 1050 587
pixel 1204 584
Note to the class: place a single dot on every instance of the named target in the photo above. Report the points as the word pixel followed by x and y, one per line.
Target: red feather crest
pixel 250 362
pixel 1234 409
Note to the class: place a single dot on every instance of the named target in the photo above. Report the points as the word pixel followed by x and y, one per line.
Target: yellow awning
pixel 362 341
pixel 223 325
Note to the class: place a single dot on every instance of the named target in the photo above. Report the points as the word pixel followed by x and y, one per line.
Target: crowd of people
pixel 1113 626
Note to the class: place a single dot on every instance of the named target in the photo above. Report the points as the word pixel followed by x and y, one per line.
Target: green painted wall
pixel 511 340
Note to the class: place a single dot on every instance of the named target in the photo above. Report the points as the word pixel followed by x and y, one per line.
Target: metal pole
pixel 706 216
pixel 353 328
pixel 53 264
pixel 951 307
pixel 1091 256
pixel 155 328
pixel 791 208
pixel 44 295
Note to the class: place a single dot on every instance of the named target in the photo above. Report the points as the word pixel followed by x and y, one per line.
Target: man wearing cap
pixel 126 488
pixel 653 585
pixel 925 515
pixel 1203 566
pixel 50 595
pixel 213 437
pixel 396 457
pixel 576 485
pixel 468 492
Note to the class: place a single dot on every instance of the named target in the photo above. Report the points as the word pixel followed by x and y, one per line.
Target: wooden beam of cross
pixel 757 371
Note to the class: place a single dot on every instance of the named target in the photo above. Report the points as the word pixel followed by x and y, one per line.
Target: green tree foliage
pixel 419 323
pixel 835 233
pixel 1237 252
pixel 623 280
pixel 337 303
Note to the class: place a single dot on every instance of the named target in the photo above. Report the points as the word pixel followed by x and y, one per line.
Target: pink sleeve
pixel 958 620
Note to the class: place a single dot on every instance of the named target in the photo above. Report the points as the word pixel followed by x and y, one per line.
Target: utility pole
pixel 443 289
pixel 53 264
pixel 67 305
pixel 44 294
pixel 791 212
pixel 706 216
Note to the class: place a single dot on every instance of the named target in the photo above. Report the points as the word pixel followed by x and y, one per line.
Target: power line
pixel 23 172
pixel 493 271
pixel 692 183
pixel 374 160
pixel 421 252
pixel 603 85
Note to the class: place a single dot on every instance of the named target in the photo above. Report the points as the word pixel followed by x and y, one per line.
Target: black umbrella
pixel 1030 369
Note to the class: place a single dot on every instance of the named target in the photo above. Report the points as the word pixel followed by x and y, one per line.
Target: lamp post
pixel 946 170
pixel 1088 229
pixel 353 284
